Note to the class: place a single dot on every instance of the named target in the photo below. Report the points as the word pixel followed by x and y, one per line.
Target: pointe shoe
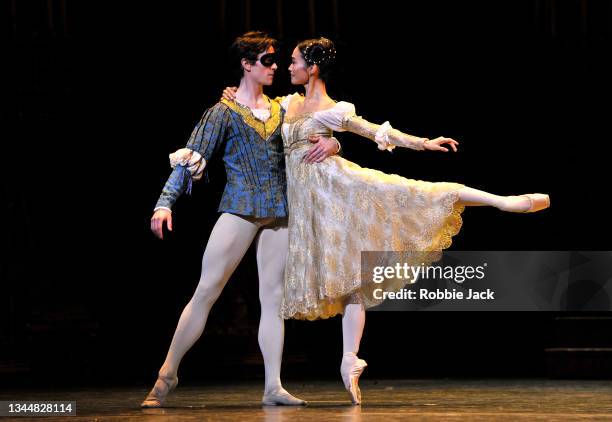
pixel 350 375
pixel 538 202
pixel 158 394
pixel 281 397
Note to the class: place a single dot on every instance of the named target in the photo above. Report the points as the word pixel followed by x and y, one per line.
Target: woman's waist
pixel 300 143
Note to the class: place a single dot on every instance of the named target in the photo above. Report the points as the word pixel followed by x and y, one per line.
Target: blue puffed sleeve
pixel 206 138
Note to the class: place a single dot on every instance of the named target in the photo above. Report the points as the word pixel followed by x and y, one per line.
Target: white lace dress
pixel 338 209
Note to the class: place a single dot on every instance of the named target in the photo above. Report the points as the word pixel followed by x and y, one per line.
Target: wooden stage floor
pixel 383 400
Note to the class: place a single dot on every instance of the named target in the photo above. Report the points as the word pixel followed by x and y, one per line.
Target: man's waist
pixel 279 183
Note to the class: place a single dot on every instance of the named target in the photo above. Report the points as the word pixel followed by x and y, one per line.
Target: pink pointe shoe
pixel 158 394
pixel 350 369
pixel 538 202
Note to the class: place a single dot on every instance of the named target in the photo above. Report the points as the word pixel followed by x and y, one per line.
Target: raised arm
pixel 388 138
pixel 384 135
pixel 342 117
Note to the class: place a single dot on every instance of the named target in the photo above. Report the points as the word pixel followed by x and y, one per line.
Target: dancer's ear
pixel 246 65
pixel 313 70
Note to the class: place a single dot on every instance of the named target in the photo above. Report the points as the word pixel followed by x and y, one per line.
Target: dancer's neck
pixel 316 91
pixel 250 94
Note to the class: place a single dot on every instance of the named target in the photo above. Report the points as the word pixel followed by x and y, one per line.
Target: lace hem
pixel 311 308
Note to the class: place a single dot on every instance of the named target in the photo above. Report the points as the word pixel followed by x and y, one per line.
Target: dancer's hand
pixel 325 147
pixel 436 144
pixel 157 222
pixel 229 93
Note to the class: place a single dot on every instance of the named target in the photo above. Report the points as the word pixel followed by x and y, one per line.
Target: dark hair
pixel 248 46
pixel 320 51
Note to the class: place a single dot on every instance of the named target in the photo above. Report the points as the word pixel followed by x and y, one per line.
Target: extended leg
pixel 228 242
pixel 522 203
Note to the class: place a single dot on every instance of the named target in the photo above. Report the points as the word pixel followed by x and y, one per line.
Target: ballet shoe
pixel 350 375
pixel 537 201
pixel 281 397
pixel 158 394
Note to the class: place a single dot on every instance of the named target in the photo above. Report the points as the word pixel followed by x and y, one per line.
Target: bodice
pixel 297 129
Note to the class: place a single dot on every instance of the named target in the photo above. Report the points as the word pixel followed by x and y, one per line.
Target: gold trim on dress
pixel 293 119
pixel 264 129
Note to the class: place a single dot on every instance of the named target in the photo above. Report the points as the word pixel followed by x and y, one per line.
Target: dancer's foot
pixel 350 369
pixel 281 397
pixel 531 202
pixel 158 394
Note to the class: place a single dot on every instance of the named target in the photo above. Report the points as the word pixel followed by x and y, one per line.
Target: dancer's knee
pixel 270 295
pixel 207 292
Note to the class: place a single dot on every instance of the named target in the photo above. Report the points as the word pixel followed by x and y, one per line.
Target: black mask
pixel 268 59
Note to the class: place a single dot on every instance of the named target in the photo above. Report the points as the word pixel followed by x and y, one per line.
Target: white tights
pixel 474 197
pixel 353 322
pixel 228 242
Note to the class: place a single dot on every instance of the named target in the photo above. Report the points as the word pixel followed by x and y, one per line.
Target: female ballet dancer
pixel 338 209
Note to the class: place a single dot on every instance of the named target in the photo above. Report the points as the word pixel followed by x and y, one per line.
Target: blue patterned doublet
pixel 253 158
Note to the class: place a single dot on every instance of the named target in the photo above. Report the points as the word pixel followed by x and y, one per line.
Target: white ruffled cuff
pixel 192 160
pixel 161 208
pixel 382 137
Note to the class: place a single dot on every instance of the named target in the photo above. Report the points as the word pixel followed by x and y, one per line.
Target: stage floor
pixel 383 400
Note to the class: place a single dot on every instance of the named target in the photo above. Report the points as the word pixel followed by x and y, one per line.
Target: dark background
pixel 99 93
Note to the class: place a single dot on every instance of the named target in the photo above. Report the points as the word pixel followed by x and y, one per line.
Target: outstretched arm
pixel 388 138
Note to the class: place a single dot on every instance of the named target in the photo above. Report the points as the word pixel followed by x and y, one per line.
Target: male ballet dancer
pixel 254 206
